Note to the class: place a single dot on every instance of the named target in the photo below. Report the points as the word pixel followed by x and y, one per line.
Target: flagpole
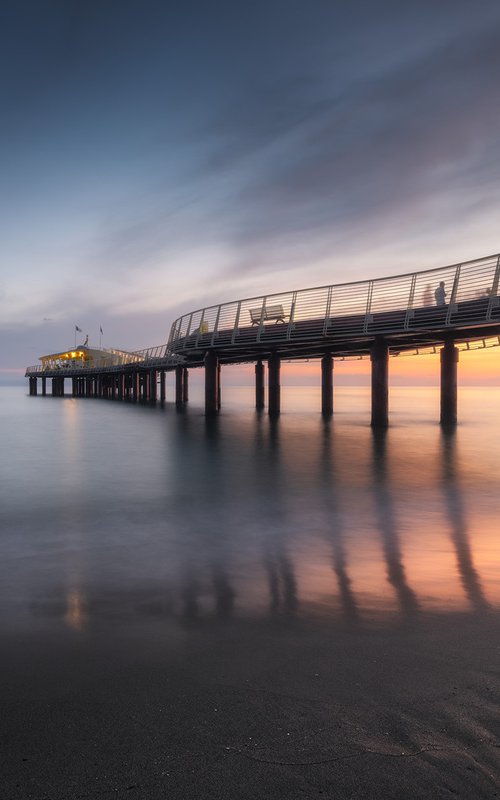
pixel 75 338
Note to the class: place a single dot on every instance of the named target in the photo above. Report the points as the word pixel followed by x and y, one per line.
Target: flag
pixel 78 329
pixel 100 328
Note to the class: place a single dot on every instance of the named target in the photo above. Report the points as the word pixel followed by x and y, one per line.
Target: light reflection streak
pixel 76 616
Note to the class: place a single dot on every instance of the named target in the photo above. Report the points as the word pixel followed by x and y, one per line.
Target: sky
pixel 158 157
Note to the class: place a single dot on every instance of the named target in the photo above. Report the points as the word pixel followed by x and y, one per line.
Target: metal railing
pixel 398 304
pixel 339 312
pixel 151 357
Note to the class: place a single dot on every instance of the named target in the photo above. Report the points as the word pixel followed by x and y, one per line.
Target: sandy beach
pixel 253 711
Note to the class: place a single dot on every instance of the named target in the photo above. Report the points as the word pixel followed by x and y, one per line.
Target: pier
pixel 375 319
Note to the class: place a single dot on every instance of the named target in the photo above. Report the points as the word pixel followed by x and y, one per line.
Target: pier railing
pixel 158 356
pixel 383 305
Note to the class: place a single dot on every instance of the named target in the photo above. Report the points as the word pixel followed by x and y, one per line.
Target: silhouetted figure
pixel 427 298
pixel 440 294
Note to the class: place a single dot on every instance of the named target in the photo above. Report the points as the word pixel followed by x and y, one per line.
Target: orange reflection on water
pixel 76 614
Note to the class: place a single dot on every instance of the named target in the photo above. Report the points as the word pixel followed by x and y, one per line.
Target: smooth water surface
pixel 114 513
pixel 246 607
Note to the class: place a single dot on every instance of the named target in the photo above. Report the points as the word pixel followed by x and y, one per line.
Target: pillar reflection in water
pixel 458 522
pixel 386 522
pixel 330 500
pixel 206 532
pixel 270 472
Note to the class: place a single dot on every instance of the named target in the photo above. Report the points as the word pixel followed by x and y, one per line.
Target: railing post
pixel 261 321
pixel 216 325
pixel 291 319
pixel 409 309
pixel 202 320
pixel 493 298
pixel 236 323
pixel 368 306
pixel 451 305
pixel 327 309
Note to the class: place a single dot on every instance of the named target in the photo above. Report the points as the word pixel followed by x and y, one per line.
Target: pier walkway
pixel 377 319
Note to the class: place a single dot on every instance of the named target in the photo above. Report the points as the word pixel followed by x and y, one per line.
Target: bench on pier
pixel 276 313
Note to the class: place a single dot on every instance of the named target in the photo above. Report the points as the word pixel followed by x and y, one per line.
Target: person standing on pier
pixel 440 294
pixel 427 298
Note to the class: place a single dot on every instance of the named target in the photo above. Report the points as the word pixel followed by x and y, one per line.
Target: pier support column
pixel 135 386
pixel 179 385
pixel 153 377
pixel 259 385
pixel 44 386
pixel 211 383
pixel 380 384
pixel 162 386
pixel 449 361
pixel 185 385
pixel 327 384
pixel 274 366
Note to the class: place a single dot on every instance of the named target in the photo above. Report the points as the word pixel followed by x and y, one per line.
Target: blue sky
pixel 159 157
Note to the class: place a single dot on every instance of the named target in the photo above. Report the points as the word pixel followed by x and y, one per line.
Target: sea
pixel 113 513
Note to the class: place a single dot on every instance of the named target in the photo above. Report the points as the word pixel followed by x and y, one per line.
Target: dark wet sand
pixel 277 709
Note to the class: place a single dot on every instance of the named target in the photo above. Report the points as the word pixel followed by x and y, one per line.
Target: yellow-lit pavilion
pixel 83 356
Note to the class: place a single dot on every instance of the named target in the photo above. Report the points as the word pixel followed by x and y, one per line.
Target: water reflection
pixel 386 523
pixel 328 479
pixel 202 521
pixel 270 472
pixel 454 499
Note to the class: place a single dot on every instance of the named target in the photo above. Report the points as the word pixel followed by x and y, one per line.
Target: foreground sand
pixel 277 709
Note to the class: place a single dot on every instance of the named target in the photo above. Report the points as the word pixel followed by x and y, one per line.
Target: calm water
pixel 124 518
